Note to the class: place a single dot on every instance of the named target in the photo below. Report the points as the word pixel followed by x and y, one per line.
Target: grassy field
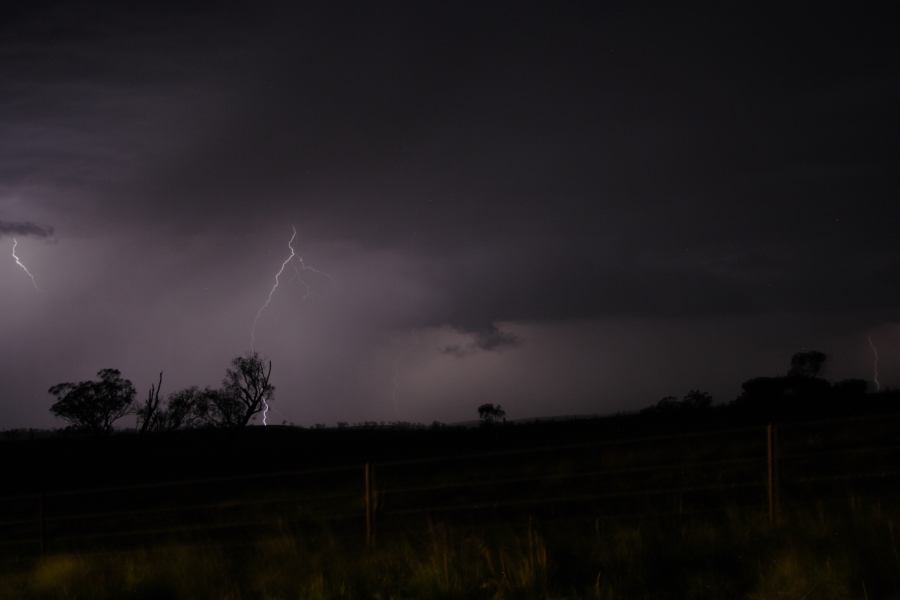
pixel 612 509
pixel 841 550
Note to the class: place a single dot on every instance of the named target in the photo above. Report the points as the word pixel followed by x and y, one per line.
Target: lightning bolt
pixel 874 363
pixel 268 301
pixel 265 305
pixel 308 290
pixel 19 262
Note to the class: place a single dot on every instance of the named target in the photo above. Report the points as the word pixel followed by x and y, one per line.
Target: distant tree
pixel 94 405
pixel 696 400
pixel 491 413
pixel 667 402
pixel 245 391
pixel 807 364
pixel 848 389
pixel 693 400
pixel 762 388
pixel 798 393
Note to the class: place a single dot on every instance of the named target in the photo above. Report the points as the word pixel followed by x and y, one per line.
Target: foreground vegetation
pixel 845 550
pixel 505 510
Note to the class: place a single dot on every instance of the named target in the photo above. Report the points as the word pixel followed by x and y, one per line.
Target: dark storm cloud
pixel 24 228
pixel 451 167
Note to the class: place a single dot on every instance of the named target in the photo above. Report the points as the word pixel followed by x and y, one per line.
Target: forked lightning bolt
pixel 302 267
pixel 268 301
pixel 874 364
pixel 19 262
pixel 299 268
pixel 266 304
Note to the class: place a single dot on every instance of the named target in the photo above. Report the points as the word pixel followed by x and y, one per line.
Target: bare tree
pixel 149 412
pixel 246 390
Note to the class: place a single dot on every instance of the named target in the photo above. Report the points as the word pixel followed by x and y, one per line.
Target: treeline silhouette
pixel 94 406
pixel 799 393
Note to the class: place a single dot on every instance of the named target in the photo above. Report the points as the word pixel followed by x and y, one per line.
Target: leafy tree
pixel 94 405
pixel 189 408
pixel 849 389
pixel 807 364
pixel 491 413
pixel 696 400
pixel 800 392
pixel 761 389
pixel 185 409
pixel 693 400
pixel 224 409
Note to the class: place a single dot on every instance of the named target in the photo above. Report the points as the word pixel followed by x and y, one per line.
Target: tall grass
pixel 840 551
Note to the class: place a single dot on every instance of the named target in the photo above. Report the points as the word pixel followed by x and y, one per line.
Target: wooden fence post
pixel 369 500
pixel 772 455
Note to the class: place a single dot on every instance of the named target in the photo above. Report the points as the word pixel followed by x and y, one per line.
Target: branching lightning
pixel 299 268
pixel 874 364
pixel 23 267
pixel 268 301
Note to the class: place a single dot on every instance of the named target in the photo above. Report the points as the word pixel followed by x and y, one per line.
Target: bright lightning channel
pixel 874 364
pixel 19 262
pixel 265 305
pixel 308 290
pixel 268 301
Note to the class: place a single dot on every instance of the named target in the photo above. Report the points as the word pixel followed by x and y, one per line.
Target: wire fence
pixel 756 468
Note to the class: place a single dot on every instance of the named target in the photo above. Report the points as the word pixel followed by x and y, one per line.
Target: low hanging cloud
pixel 24 228
pixel 488 340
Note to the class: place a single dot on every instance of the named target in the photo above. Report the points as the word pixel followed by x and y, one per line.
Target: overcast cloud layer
pixel 565 210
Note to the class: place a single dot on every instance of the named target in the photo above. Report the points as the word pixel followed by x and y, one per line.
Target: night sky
pixel 571 209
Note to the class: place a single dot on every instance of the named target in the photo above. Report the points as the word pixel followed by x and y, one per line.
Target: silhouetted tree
pixel 696 400
pixel 185 409
pixel 693 400
pixel 189 408
pixel 491 413
pixel 94 405
pixel 760 389
pixel 849 389
pixel 244 393
pixel 148 414
pixel 224 409
pixel 798 393
pixel 807 364
pixel 245 390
